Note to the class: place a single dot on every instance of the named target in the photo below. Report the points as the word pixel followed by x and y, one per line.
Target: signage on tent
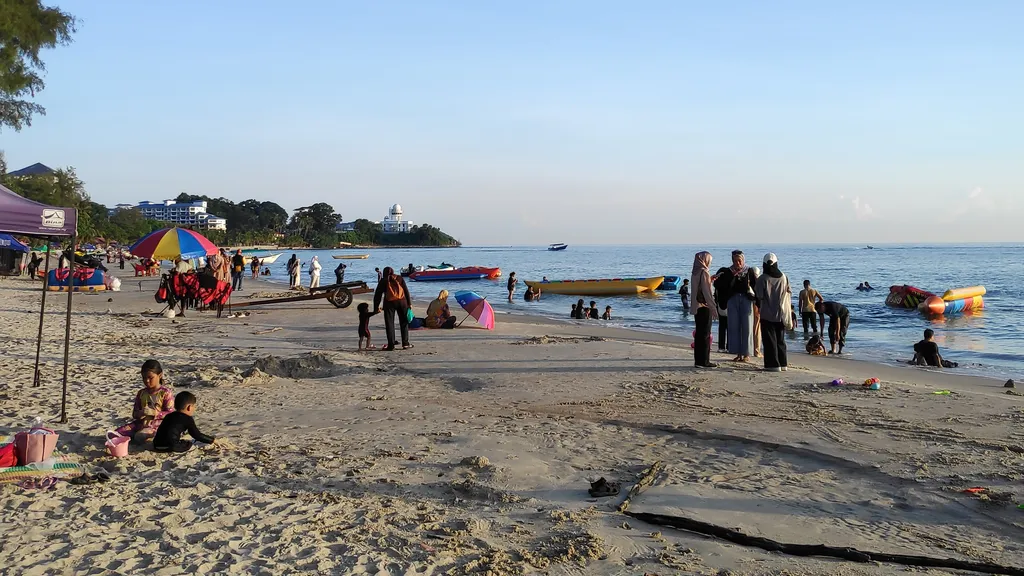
pixel 53 218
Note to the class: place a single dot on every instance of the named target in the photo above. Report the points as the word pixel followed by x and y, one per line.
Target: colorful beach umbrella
pixel 477 306
pixel 172 243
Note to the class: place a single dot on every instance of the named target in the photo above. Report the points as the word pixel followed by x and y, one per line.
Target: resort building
pixel 183 213
pixel 393 223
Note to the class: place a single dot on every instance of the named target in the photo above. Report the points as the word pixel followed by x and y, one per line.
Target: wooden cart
pixel 338 294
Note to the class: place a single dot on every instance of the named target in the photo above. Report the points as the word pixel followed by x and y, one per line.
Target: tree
pixel 26 28
pixel 316 224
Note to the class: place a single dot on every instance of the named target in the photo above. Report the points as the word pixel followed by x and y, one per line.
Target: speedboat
pixel 671 283
pixel 467 273
pixel 600 287
pixel 557 247
pixel 269 258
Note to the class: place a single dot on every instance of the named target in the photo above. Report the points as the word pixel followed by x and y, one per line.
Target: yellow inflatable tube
pixel 962 293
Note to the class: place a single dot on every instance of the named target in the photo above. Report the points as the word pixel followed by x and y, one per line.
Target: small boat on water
pixel 467 273
pixel 671 283
pixel 600 287
pixel 406 271
pixel 269 258
pixel 350 256
pixel 557 247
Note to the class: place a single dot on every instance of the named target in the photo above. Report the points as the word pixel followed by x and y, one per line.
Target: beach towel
pixel 64 466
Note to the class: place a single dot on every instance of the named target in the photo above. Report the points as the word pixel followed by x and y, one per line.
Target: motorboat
pixel 269 258
pixel 557 247
pixel 467 273
pixel 671 283
pixel 599 287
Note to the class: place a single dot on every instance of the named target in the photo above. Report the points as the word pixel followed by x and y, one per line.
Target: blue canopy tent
pixel 22 216
pixel 10 255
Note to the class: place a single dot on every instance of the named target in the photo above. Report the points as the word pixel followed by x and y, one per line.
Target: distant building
pixel 393 223
pixel 36 169
pixel 184 213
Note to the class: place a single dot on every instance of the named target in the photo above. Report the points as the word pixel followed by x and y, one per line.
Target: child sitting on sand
pixel 168 436
pixel 816 346
pixel 364 325
pixel 926 353
pixel 152 404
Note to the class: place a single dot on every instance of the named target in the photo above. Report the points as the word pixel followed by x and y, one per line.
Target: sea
pixel 985 343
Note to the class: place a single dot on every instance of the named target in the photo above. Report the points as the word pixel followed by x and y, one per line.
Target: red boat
pixel 468 273
pixel 906 296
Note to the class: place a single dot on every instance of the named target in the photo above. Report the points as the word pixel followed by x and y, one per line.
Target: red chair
pixel 140 270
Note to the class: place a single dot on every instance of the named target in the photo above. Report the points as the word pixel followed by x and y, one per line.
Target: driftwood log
pixel 851 554
pixel 645 480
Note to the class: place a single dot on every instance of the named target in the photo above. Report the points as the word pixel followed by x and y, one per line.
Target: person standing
pixel 237 270
pixel 838 323
pixel 294 265
pixel 120 260
pixel 741 308
pixel 512 281
pixel 339 273
pixel 809 297
pixel 775 301
pixel 720 281
pixel 684 295
pixel 757 316
pixel 380 275
pixel 254 265
pixel 700 279
pixel 394 295
pixel 314 273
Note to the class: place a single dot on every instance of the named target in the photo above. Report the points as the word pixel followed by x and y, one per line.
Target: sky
pixel 534 122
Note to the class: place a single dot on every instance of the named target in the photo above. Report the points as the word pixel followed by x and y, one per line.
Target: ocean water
pixel 987 342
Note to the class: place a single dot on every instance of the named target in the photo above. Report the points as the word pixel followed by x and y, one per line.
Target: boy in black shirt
pixel 594 314
pixel 926 353
pixel 168 435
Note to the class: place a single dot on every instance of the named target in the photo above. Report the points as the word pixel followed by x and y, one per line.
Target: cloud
pixel 974 193
pixel 861 210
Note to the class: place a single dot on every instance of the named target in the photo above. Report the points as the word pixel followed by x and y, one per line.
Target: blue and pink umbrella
pixel 477 307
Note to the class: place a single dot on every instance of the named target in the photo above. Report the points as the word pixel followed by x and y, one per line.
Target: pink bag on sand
pixel 35 446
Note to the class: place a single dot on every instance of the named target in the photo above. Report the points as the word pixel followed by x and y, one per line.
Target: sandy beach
pixel 472 453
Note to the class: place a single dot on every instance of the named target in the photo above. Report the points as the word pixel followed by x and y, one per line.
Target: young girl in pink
pixel 152 403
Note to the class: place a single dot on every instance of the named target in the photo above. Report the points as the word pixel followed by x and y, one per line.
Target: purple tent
pixel 20 215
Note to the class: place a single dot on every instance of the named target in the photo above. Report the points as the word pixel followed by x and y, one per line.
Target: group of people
pixel 754 310
pixel 314 268
pixel 581 312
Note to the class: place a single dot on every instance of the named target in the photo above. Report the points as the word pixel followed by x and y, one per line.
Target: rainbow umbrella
pixel 172 243
pixel 477 307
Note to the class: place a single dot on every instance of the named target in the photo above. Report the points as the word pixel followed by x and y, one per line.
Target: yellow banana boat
pixel 601 287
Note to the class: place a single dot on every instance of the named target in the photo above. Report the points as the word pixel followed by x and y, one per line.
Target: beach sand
pixel 472 453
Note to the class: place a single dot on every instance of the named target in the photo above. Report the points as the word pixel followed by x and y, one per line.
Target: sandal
pixel 602 488
pixel 86 479
pixel 407 347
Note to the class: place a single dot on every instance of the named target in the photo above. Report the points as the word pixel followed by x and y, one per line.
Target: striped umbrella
pixel 172 243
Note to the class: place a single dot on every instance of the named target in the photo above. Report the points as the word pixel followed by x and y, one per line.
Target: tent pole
pixel 67 332
pixel 42 307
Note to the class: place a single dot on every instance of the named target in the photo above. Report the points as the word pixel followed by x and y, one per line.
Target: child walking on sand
pixel 152 404
pixel 168 436
pixel 364 325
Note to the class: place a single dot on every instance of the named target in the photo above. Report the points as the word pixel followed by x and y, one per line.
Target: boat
pixel 468 273
pixel 557 247
pixel 350 256
pixel 906 296
pixel 600 287
pixel 871 247
pixel 269 258
pixel 671 283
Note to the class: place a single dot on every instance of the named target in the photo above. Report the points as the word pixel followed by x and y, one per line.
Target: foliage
pixel 316 224
pixel 367 233
pixel 26 28
pixel 249 222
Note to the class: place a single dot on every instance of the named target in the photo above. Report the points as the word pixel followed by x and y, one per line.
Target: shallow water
pixel 984 343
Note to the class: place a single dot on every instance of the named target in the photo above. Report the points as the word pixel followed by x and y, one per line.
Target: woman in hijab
pixel 314 272
pixel 579 310
pixel 706 311
pixel 293 271
pixel 394 295
pixel 741 308
pixel 776 304
pixel 438 313
pixel 720 281
pixel 757 316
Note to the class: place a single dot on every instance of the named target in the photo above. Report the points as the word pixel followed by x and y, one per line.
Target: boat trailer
pixel 338 294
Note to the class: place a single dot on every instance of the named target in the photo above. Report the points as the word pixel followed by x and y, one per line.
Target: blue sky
pixel 558 121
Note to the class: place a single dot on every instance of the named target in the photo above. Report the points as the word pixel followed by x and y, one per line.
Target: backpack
pixel 394 292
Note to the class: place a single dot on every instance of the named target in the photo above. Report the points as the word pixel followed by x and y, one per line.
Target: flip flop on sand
pixel 602 488
pixel 86 479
